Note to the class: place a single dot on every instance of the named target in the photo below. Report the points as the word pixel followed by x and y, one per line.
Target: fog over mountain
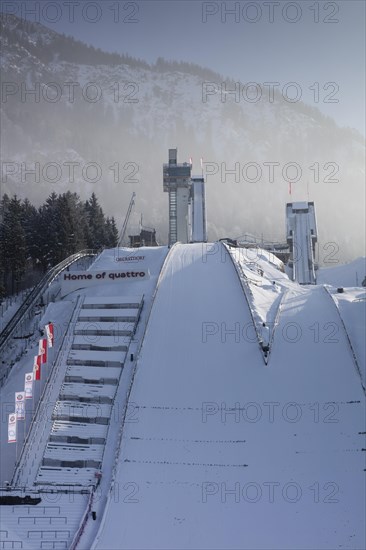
pixel 94 114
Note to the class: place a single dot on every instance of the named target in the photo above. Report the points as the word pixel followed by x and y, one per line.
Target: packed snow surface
pixel 225 452
pixel 218 449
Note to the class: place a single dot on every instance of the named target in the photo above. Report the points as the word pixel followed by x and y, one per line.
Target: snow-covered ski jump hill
pixel 195 397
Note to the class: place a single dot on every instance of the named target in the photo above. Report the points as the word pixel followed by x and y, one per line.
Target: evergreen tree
pixel 96 236
pixel 49 233
pixel 13 243
pixel 29 223
pixel 111 240
pixel 62 226
pixel 73 223
pixel 3 234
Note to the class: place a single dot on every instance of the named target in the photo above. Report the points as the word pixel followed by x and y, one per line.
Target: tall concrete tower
pixel 302 236
pixel 198 212
pixel 177 182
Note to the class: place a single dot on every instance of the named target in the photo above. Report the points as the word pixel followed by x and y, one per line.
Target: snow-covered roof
pixel 111 315
pixel 97 358
pixel 300 205
pixel 88 411
pixel 50 525
pixel 57 475
pixel 83 430
pixel 93 373
pixel 92 392
pixel 115 341
pixel 73 451
pixel 104 328
pixel 112 302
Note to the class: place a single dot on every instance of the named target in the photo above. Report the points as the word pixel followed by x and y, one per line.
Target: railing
pixel 121 429
pixel 34 296
pixel 59 360
pixel 120 434
pixel 15 544
pixel 83 523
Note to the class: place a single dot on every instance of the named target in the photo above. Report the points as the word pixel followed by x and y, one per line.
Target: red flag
pixel 37 367
pixel 50 334
pixel 42 350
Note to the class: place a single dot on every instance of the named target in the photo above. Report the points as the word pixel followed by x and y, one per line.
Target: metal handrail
pixel 80 530
pixel 138 352
pixel 122 425
pixel 53 372
pixel 36 293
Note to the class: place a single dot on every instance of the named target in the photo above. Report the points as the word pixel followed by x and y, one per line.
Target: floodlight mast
pixel 124 227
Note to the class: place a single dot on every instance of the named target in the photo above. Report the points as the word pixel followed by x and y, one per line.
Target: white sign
pixel 28 385
pixel 12 428
pixel 19 405
pixel 74 280
pixel 130 258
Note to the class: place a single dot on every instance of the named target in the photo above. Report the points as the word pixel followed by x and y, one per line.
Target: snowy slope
pixel 352 308
pixel 351 274
pixel 217 449
pixel 228 453
pixel 33 470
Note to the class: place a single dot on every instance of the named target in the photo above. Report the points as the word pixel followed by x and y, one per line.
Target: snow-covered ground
pixel 60 313
pixel 219 449
pixel 351 274
pixel 225 451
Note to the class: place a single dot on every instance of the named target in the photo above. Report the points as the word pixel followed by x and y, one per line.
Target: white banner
pixel 129 258
pixel 28 385
pixel 12 428
pixel 74 280
pixel 20 405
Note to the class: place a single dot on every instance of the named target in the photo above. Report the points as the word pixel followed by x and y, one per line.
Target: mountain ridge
pixel 141 112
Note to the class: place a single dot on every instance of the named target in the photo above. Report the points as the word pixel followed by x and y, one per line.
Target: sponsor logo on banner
pixel 42 350
pixel 130 258
pixel 74 280
pixel 12 428
pixel 37 367
pixel 28 385
pixel 49 334
pixel 20 405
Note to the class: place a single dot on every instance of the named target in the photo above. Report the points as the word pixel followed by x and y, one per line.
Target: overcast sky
pixel 318 45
